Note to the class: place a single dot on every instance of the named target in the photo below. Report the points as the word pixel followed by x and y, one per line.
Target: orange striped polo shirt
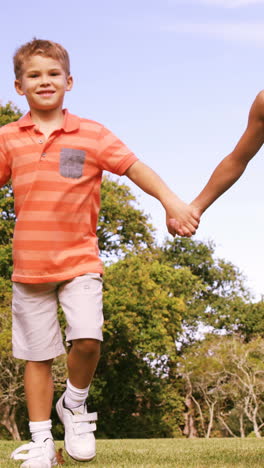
pixel 56 184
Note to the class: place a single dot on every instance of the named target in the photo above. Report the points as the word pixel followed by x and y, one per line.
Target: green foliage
pixel 145 295
pixel 9 113
pixel 249 319
pixel 143 306
pixel 221 277
pixel 122 227
pixel 223 292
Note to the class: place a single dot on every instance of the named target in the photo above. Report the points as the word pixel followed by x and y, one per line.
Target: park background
pixel 175 80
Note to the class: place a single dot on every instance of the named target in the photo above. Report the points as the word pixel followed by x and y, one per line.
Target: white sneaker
pixel 39 454
pixel 79 425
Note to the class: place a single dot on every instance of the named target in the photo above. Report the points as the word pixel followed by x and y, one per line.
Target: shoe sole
pixel 53 463
pixel 79 459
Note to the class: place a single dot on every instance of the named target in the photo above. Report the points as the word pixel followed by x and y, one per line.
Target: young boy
pixel 232 166
pixel 55 160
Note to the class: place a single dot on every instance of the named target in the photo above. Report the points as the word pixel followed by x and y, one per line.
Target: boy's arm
pixel 232 166
pixel 180 217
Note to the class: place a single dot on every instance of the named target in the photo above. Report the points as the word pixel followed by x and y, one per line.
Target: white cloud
pixel 252 33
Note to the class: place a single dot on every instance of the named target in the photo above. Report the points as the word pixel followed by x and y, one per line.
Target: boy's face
pixel 44 83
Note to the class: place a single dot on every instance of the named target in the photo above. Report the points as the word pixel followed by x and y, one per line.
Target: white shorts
pixel 36 330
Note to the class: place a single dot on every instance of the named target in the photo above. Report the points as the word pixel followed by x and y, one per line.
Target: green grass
pixel 164 453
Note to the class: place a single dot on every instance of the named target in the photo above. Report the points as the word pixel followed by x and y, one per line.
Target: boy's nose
pixel 44 80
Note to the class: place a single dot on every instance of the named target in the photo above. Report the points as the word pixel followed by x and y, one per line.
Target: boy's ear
pixel 69 83
pixel 18 87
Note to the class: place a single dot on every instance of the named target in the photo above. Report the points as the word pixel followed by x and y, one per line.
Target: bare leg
pixel 82 361
pixel 39 389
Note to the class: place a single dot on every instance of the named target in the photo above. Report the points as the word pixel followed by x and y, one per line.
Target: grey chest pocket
pixel 71 162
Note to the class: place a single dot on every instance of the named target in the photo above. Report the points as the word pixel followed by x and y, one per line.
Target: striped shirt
pixel 56 184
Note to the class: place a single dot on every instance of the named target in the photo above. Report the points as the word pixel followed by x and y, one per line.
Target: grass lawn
pixel 151 453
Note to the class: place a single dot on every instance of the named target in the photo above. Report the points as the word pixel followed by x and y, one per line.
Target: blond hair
pixel 40 47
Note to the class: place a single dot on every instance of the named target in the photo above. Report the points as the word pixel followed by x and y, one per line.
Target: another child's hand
pixel 182 219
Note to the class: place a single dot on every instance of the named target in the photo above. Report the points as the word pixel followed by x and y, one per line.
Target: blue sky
pixel 175 80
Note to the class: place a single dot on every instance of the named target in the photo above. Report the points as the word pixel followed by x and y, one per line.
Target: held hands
pixel 182 219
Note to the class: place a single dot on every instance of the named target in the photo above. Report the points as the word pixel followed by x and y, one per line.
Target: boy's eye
pixel 33 75
pixel 54 73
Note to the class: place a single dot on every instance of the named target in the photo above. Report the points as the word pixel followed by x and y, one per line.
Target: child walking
pixel 55 161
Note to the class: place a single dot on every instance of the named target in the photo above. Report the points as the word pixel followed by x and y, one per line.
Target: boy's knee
pixel 87 346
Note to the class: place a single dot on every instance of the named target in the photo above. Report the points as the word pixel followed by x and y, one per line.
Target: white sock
pixel 40 430
pixel 75 396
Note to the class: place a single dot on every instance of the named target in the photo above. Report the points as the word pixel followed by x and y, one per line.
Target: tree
pixel 223 378
pixel 223 295
pixel 248 318
pixel 122 227
pixel 245 369
pixel 203 375
pixel 9 113
pixel 144 301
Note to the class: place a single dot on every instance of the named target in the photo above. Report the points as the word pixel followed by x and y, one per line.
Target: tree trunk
pixel 189 427
pixel 9 422
pixel 200 412
pixel 256 428
pixel 251 410
pixel 221 419
pixel 211 420
pixel 241 425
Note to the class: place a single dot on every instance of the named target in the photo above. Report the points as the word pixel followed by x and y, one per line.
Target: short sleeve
pixel 5 169
pixel 113 155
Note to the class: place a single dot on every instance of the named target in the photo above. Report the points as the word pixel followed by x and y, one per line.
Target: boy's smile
pixel 44 83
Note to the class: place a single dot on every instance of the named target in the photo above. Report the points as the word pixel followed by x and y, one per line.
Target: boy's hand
pixel 181 219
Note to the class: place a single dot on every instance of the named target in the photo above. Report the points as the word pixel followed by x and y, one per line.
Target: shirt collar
pixel 70 123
